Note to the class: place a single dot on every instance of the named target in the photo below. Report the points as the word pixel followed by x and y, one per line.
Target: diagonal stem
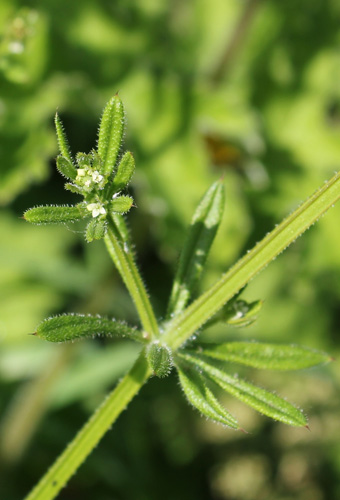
pixel 92 432
pixel 122 257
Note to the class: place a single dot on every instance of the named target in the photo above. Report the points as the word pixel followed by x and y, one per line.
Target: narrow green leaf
pixel 111 132
pixel 124 173
pixel 73 188
pixel 238 313
pixel 242 313
pixel 202 398
pixel 56 214
pixel 64 147
pixel 263 401
pixel 66 168
pixel 96 229
pixel 200 237
pixel 159 357
pixel 121 204
pixel 265 356
pixel 227 311
pixel 74 326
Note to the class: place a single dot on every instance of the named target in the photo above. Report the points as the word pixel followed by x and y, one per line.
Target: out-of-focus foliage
pixel 248 90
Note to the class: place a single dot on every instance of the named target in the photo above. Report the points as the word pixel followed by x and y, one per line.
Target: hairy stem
pixel 122 257
pixel 89 436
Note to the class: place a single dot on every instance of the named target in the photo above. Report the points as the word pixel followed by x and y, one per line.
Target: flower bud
pixel 96 229
pixel 159 357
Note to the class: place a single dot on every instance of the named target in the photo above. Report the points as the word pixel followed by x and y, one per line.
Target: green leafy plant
pixel 172 344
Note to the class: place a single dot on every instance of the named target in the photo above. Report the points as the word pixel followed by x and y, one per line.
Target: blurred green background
pixel 245 89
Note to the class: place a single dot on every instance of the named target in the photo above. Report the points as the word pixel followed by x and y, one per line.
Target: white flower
pixel 96 209
pixel 97 177
pixel 81 172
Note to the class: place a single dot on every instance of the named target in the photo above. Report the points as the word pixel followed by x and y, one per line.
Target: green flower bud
pixel 96 229
pixel 159 357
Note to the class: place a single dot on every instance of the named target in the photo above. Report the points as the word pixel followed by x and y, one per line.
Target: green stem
pixel 89 436
pixel 122 257
pixel 186 324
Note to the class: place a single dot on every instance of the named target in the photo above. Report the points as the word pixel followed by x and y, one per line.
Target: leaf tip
pixel 56 118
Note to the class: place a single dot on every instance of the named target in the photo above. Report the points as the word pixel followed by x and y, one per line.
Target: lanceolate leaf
pixel 111 132
pixel 261 400
pixel 64 148
pixel 124 173
pixel 66 168
pixel 56 214
pixel 73 188
pixel 242 313
pixel 74 326
pixel 121 204
pixel 266 356
pixel 200 237
pixel 202 398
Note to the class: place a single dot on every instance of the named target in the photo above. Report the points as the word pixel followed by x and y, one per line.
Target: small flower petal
pixel 96 209
pixel 97 177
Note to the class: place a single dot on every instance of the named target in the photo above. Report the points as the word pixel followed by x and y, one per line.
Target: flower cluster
pixel 98 176
pixel 88 177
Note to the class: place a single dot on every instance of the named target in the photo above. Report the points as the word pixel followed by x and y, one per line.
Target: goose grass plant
pixel 101 178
